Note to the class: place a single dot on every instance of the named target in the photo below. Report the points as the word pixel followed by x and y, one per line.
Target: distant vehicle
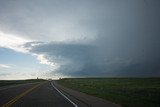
pixel 49 79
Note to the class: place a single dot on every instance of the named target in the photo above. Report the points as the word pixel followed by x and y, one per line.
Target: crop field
pixel 128 92
pixel 13 82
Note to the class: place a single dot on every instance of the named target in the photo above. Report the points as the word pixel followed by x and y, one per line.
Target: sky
pixel 79 38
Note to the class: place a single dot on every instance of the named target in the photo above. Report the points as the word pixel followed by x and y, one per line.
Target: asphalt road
pixel 35 95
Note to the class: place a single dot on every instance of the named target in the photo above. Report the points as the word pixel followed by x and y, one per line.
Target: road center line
pixel 63 95
pixel 8 104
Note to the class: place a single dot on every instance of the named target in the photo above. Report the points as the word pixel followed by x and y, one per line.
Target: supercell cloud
pixel 86 38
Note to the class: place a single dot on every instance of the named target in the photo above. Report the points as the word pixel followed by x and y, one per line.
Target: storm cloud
pixel 101 58
pixel 89 38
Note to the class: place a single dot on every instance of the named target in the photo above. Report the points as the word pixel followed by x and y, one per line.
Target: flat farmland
pixel 128 92
pixel 15 82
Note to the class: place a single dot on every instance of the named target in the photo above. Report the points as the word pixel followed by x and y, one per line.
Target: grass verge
pixel 128 92
pixel 13 82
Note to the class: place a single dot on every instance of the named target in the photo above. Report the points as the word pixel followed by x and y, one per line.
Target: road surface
pixel 43 94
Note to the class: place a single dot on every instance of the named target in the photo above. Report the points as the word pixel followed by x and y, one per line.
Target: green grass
pixel 128 92
pixel 13 82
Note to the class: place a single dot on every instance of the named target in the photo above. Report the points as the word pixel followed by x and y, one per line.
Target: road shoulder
pixel 85 98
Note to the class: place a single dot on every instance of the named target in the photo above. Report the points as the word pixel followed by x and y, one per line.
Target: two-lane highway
pixel 34 95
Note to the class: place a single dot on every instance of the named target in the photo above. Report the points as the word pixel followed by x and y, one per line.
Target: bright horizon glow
pixel 16 44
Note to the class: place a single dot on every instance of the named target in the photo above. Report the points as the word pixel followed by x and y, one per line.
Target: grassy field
pixel 12 82
pixel 128 92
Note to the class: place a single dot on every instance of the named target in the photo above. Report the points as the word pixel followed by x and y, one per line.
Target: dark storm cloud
pixel 70 57
pixel 122 38
pixel 100 59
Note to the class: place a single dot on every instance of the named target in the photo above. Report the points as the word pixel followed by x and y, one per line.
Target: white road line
pixel 64 95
